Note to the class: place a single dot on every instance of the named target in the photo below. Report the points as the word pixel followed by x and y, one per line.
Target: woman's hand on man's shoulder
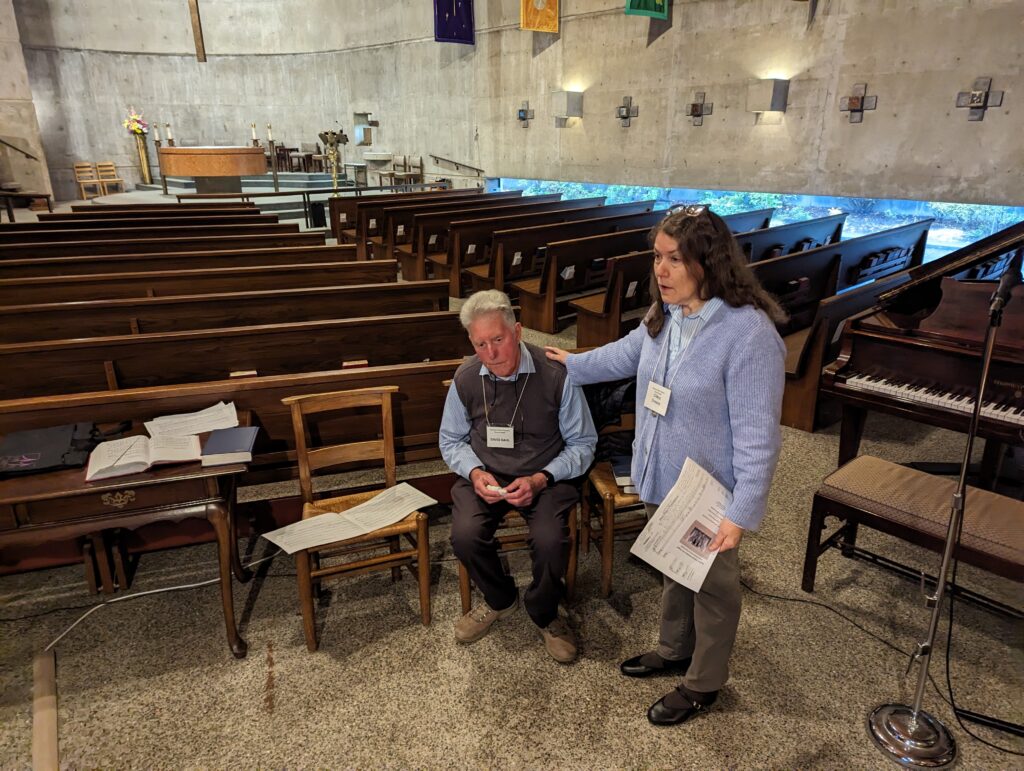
pixel 556 354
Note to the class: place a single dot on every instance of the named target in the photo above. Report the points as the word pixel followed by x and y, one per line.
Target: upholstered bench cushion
pixel 993 523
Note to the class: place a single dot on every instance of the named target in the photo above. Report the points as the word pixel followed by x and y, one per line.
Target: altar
pixel 215 169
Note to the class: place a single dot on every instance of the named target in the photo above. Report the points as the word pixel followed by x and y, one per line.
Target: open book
pixel 137 453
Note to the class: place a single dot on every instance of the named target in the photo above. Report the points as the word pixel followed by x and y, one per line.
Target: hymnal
pixel 622 468
pixel 137 453
pixel 229 445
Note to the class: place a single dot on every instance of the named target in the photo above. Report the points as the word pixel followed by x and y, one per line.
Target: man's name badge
pixel 657 398
pixel 500 436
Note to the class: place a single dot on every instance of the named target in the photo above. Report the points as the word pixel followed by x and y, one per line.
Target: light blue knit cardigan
pixel 724 410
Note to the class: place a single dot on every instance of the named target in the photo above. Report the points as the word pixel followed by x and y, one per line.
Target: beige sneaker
pixel 479 620
pixel 559 641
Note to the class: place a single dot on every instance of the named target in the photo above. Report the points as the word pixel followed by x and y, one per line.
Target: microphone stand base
pixel 923 742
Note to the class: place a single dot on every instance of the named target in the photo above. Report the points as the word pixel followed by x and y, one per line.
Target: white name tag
pixel 373 224
pixel 631 289
pixel 517 258
pixel 432 240
pixel 500 436
pixel 400 230
pixel 471 249
pixel 657 398
pixel 342 217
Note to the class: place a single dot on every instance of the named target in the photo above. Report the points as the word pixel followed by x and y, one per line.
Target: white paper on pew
pixel 400 230
pixel 342 217
pixel 676 538
pixel 631 289
pixel 373 223
pixel 432 240
pixel 517 258
pixel 568 272
pixel 471 249
pixel 220 415
pixel 386 508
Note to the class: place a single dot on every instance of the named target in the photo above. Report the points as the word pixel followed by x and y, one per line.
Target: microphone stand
pixel 911 736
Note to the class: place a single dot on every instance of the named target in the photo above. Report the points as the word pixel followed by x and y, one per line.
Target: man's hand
pixel 727 537
pixel 522 490
pixel 480 480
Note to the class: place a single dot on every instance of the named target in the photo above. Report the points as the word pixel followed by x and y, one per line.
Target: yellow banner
pixel 539 15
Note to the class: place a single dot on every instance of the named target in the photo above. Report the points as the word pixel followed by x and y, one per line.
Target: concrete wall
pixel 302 64
pixel 18 124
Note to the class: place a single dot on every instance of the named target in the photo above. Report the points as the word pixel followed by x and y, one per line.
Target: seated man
pixel 519 436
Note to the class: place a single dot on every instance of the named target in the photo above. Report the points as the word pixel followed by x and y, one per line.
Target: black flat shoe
pixel 661 713
pixel 644 666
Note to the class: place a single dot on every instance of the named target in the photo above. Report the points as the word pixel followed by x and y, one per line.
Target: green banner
pixel 656 9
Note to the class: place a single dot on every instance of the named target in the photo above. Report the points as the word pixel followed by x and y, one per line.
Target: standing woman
pixel 709 366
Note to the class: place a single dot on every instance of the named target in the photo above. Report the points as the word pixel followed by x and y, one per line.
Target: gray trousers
pixel 702 625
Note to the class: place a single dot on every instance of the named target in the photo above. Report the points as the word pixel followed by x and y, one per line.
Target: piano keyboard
pixel 935 397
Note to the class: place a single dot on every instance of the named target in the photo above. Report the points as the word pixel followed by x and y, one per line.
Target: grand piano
pixel 917 353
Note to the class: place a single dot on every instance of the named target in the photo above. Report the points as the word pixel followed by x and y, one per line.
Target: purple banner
pixel 453 21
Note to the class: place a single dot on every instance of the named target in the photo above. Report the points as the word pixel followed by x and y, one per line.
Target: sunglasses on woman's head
pixel 689 210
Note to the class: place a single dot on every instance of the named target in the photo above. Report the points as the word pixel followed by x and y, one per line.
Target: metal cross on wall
pixel 858 102
pixel 979 98
pixel 524 115
pixel 698 108
pixel 626 111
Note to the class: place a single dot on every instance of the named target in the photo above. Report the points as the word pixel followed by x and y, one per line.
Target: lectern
pixel 215 169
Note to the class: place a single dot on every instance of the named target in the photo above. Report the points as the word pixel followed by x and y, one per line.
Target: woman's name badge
pixel 500 436
pixel 657 398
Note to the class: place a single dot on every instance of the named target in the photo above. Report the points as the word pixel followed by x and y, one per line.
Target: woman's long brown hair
pixel 718 265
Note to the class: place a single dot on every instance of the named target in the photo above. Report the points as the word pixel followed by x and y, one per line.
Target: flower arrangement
pixel 134 122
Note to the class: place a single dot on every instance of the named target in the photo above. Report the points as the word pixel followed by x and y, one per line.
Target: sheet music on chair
pixel 386 508
pixel 676 538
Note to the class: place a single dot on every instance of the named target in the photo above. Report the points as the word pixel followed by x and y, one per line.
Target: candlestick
pixel 253 130
pixel 270 136
pixel 170 136
pixel 156 131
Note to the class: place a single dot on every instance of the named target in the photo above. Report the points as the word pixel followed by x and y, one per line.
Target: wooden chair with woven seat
pixel 107 173
pixel 87 179
pixel 311 417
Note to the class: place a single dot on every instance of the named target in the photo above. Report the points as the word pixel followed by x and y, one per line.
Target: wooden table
pixel 61 505
pixel 215 169
pixel 9 197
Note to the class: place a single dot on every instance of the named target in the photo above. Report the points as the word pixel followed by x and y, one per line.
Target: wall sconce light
pixel 565 105
pixel 524 115
pixel 626 111
pixel 768 95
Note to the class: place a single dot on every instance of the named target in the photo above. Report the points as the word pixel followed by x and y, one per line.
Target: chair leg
pixel 464 588
pixel 423 558
pixel 607 545
pixel 395 546
pixel 814 530
pixel 306 599
pixel 585 518
pixel 574 543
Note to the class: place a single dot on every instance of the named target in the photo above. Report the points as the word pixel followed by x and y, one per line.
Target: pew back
pixel 138 223
pixel 169 244
pixel 45 235
pixel 343 208
pixel 795 237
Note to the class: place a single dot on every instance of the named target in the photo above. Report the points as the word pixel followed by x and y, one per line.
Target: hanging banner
pixel 538 15
pixel 453 21
pixel 656 9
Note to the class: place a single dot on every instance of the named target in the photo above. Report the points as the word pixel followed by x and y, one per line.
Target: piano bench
pixel 914 506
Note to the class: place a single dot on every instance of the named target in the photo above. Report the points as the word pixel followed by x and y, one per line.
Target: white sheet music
pixel 385 508
pixel 676 538
pixel 220 415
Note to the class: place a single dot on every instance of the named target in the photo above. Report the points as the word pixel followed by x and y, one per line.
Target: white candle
pixel 170 136
pixel 156 131
pixel 270 137
pixel 253 130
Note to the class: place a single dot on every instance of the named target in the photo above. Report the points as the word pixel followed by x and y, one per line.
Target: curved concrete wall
pixel 302 64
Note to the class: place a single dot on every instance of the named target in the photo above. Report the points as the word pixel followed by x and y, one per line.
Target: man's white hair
pixel 489 301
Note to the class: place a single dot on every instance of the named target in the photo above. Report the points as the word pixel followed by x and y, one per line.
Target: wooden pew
pixel 432 243
pixel 103 213
pixel 606 316
pixel 168 244
pixel 101 318
pixel 472 241
pixel 399 220
pixel 140 263
pixel 519 253
pixel 342 210
pixel 45 289
pixel 165 358
pixel 744 222
pixel 62 235
pixel 576 268
pixel 572 269
pixel 370 217
pixel 138 223
pixel 161 207
pixel 794 237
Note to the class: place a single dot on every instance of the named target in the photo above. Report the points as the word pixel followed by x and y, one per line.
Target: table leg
pixel 220 517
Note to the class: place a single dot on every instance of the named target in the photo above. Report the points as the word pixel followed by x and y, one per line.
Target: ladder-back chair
pixel 107 173
pixel 87 179
pixel 353 414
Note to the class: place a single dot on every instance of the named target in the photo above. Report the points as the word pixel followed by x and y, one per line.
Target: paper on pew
pixel 220 415
pixel 386 508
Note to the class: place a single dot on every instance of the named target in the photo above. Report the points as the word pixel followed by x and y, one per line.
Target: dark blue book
pixel 621 467
pixel 229 445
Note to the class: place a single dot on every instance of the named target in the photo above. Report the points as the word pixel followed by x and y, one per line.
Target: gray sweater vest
pixel 538 439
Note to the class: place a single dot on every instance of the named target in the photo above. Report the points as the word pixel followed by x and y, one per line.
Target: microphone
pixel 1010 278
